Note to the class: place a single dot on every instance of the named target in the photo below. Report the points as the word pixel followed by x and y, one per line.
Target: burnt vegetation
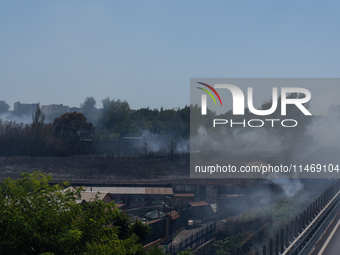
pixel 113 131
pixel 116 131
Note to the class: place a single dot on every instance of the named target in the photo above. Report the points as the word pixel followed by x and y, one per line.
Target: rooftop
pixel 135 190
pixel 87 196
pixel 200 203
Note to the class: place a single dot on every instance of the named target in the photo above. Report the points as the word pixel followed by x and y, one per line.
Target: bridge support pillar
pixel 271 246
pixel 277 244
pixel 307 216
pixel 287 236
pixel 296 227
pixel 291 236
pixel 282 239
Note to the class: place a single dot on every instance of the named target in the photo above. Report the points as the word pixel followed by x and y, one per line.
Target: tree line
pixel 93 131
pixel 103 131
pixel 117 119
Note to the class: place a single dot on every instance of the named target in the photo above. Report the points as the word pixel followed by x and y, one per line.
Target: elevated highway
pixel 315 232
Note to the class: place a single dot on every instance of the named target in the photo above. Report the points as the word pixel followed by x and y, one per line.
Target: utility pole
pixel 170 227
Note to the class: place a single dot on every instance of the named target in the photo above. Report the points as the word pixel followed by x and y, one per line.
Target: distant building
pixel 76 109
pixel 2 103
pixel 54 108
pixel 24 108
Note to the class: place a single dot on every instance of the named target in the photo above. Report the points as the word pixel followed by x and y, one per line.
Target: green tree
pixel 89 108
pixel 89 104
pixel 114 116
pixel 230 244
pixel 38 132
pixel 156 250
pixel 38 118
pixel 73 127
pixel 185 252
pixel 4 108
pixel 139 229
pixel 38 218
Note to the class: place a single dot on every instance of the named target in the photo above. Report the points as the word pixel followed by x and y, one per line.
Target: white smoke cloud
pixel 25 119
pixel 235 140
pixel 290 186
pixel 161 143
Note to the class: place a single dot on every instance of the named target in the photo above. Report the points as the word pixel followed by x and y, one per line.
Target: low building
pixel 181 200
pixel 200 210
pixel 136 196
pixel 75 109
pixel 26 109
pixel 54 108
pixel 88 196
pixel 175 221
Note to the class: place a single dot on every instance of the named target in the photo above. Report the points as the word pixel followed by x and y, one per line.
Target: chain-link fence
pixel 195 240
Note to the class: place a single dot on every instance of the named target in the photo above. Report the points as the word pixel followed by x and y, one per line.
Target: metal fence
pixel 298 236
pixel 195 240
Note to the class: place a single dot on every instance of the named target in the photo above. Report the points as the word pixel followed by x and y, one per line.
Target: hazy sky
pixel 146 51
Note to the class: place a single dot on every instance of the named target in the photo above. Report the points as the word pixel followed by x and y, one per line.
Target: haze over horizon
pixel 146 52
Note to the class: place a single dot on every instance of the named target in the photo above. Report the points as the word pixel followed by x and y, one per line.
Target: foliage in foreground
pixel 235 232
pixel 230 244
pixel 37 218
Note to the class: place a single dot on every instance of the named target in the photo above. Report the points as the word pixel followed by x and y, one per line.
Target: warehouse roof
pixel 87 196
pixel 184 194
pixel 200 203
pixel 135 190
pixel 174 215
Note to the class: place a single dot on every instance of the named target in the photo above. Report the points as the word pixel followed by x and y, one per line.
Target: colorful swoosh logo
pixel 208 92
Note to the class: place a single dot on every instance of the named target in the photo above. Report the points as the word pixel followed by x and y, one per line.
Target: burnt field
pixel 97 169
pixel 108 170
pixel 104 169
